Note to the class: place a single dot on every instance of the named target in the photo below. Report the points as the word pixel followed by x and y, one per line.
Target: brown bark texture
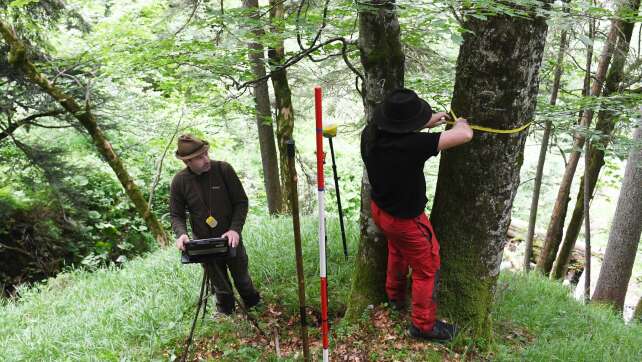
pixel 496 86
pixel 282 94
pixel 542 154
pixel 556 225
pixel 626 229
pixel 605 125
pixel 383 62
pixel 263 112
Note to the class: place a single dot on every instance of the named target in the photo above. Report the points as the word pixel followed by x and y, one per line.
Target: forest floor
pixel 514 255
pixel 143 311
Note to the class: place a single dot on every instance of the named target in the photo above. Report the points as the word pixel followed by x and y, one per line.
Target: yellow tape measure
pixel 491 130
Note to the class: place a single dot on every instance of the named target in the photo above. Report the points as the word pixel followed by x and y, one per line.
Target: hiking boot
pixel 227 310
pixel 225 304
pixel 252 301
pixel 441 332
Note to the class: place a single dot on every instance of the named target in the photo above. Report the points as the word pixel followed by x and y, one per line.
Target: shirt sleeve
pixel 425 145
pixel 177 207
pixel 238 198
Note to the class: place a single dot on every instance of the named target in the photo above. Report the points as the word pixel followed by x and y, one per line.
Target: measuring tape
pixel 491 130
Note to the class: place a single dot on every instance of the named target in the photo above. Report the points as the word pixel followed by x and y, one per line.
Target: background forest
pixel 94 93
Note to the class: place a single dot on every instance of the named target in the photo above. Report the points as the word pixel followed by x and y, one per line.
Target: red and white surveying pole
pixel 321 194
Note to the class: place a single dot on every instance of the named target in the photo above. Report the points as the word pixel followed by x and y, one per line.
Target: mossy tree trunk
pixel 264 115
pixel 18 58
pixel 496 86
pixel 282 94
pixel 383 60
pixel 605 126
pixel 555 228
pixel 625 232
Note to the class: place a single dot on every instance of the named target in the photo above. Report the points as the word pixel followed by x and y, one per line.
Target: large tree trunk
pixel 264 117
pixel 605 125
pixel 542 154
pixel 556 225
pixel 282 94
pixel 18 58
pixel 625 232
pixel 383 59
pixel 496 86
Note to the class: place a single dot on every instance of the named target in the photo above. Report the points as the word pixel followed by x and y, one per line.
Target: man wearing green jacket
pixel 217 204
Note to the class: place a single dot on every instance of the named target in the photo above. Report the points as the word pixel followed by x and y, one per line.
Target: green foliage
pixel 34 240
pixel 154 70
pixel 91 306
pixel 276 279
pixel 136 311
pixel 108 220
pixel 55 215
pixel 21 3
pixel 562 326
pixel 144 309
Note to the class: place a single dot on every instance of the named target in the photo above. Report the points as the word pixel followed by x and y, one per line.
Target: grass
pixel 133 312
pixel 564 329
pixel 103 315
pixel 143 311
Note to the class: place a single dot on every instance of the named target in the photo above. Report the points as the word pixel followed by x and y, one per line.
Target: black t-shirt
pixel 395 164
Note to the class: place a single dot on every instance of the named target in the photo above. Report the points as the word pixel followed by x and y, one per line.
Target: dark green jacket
pixel 218 191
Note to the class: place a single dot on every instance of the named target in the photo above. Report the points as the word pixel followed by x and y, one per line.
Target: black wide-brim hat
pixel 402 111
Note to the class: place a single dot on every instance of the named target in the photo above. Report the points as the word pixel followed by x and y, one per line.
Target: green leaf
pixel 479 16
pixel 456 38
pixel 22 3
pixel 81 180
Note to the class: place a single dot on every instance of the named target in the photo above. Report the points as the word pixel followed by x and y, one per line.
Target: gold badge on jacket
pixel 211 221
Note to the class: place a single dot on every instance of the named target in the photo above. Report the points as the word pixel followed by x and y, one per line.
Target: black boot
pixel 252 301
pixel 441 332
pixel 225 304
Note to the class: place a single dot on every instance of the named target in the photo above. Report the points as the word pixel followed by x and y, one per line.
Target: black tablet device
pixel 205 250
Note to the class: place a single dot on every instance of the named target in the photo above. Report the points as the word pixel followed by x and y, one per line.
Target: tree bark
pixel 282 95
pixel 587 226
pixel 496 85
pixel 605 126
pixel 625 232
pixel 542 154
pixel 556 225
pixel 383 61
pixel 18 58
pixel 291 188
pixel 264 116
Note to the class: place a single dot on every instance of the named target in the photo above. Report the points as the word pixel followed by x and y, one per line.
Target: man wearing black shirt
pixel 394 152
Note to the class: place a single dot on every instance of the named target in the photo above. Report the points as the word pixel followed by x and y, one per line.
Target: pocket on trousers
pixel 429 234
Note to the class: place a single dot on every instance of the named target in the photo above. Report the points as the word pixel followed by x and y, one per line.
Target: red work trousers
pixel 411 242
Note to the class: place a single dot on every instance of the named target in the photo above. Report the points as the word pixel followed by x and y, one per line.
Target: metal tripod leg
pixel 220 275
pixel 198 309
pixel 202 302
